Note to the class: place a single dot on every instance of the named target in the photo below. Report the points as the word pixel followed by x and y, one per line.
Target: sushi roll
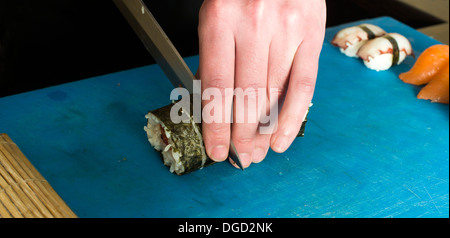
pixel 383 52
pixel 350 39
pixel 181 145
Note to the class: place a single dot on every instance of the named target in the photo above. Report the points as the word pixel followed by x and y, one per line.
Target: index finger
pixel 216 69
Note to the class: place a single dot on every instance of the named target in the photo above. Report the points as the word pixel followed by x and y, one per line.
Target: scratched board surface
pixel 371 148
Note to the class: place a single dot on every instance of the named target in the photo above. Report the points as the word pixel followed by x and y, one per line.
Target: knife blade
pixel 163 51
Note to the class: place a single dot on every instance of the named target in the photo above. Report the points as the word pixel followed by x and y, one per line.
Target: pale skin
pixel 259 44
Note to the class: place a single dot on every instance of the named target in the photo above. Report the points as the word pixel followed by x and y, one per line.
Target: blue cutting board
pixel 371 148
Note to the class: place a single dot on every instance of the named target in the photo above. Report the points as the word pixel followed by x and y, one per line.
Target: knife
pixel 162 50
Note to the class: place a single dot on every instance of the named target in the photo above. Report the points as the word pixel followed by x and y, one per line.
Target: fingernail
pixel 246 159
pixel 219 153
pixel 280 145
pixel 258 155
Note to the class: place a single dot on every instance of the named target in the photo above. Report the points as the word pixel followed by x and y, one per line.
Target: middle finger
pixel 250 76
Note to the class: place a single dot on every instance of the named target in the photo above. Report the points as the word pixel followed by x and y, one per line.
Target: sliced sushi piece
pixel 383 52
pixel 181 145
pixel 437 90
pixel 350 39
pixel 427 65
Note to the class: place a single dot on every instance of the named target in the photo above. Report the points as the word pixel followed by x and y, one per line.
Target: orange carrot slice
pixel 437 90
pixel 427 65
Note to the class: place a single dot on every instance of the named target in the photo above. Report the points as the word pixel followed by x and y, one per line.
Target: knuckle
pixel 212 8
pixel 253 86
pixel 279 80
pixel 218 82
pixel 249 91
pixel 255 8
pixel 212 13
pixel 291 16
pixel 280 73
pixel 255 12
pixel 243 140
pixel 217 131
pixel 279 92
pixel 252 89
pixel 305 84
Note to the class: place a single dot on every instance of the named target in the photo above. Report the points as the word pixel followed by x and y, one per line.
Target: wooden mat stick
pixel 8 204
pixel 3 211
pixel 25 178
pixel 15 195
pixel 23 190
pixel 19 185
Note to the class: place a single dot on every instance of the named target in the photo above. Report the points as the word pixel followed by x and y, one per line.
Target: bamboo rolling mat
pixel 23 190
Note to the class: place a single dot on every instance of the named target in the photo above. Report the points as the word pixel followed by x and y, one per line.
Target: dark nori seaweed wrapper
pixel 395 49
pixel 301 132
pixel 186 140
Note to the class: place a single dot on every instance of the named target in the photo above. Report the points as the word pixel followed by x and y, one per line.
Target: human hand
pixel 259 44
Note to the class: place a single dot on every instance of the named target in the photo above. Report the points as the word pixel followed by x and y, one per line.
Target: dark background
pixel 49 42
